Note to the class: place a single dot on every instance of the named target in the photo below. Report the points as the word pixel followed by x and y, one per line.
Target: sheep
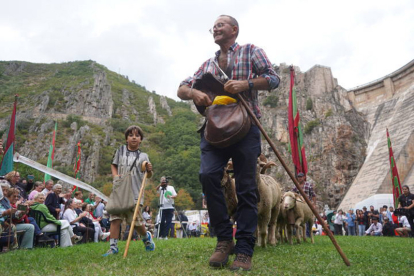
pixel 301 213
pixel 268 206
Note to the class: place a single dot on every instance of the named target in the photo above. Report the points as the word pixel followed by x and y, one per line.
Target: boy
pixel 123 159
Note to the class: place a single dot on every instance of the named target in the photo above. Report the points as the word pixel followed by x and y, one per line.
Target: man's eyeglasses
pixel 217 26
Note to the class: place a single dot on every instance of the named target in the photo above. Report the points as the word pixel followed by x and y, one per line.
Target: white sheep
pixel 268 206
pixel 300 212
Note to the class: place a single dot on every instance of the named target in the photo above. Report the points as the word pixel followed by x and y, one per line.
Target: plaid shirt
pixel 307 188
pixel 250 63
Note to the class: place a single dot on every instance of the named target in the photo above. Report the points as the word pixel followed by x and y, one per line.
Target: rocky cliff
pixel 334 133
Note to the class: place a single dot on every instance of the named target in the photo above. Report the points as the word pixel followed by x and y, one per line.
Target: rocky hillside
pixel 94 105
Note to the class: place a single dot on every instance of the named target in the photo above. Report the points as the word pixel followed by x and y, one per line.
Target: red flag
pixel 395 178
pixel 77 165
pixel 297 146
pixel 6 164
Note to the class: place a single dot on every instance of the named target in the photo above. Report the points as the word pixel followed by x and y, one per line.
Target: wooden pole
pixel 131 228
pixel 327 230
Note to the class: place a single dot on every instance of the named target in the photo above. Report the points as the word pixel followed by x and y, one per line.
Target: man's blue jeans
pixel 213 161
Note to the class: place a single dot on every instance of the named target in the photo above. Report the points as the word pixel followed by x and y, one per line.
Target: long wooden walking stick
pixel 131 228
pixel 327 230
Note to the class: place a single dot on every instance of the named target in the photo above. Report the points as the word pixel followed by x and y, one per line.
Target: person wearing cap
pixel 375 229
pixel 167 195
pixel 306 187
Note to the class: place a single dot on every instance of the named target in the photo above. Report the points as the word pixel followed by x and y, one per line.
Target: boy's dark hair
pixel 132 129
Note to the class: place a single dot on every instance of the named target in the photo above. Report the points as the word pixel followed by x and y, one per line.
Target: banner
pixel 295 131
pixel 6 164
pixel 395 178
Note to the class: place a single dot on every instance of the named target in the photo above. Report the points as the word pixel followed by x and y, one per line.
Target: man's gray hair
pixel 50 181
pixel 56 186
pixel 233 22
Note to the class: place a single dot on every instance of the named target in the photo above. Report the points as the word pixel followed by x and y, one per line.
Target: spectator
pixel 53 200
pixel 90 199
pixel 167 195
pixel 375 229
pixel 67 237
pixel 96 223
pixel 48 188
pixel 374 213
pixel 405 228
pixel 338 223
pixel 38 188
pixel 13 178
pixel 99 207
pixel 7 230
pixel 184 222
pixel 193 230
pixel 28 236
pixel 366 217
pixel 79 195
pixel 406 201
pixel 386 213
pixel 317 228
pixel 147 213
pixel 388 228
pixel 361 222
pixel 350 220
pixel 21 216
pixel 73 218
pixel 26 185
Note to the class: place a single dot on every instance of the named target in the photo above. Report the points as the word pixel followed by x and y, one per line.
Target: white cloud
pixel 159 43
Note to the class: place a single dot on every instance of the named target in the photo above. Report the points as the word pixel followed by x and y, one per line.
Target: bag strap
pixel 230 66
pixel 133 164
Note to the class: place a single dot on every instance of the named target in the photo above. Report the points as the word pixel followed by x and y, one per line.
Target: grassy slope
pixel 368 256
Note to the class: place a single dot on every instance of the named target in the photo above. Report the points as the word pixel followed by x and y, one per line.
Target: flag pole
pixel 272 145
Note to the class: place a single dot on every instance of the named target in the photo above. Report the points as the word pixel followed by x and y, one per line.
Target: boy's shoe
pixel 104 236
pixel 148 242
pixel 111 252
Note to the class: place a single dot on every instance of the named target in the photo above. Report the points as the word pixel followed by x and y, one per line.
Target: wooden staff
pixel 327 230
pixel 131 229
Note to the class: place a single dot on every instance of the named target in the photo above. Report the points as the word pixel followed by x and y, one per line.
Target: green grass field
pixel 368 256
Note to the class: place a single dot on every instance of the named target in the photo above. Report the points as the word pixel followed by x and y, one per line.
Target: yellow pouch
pixel 224 100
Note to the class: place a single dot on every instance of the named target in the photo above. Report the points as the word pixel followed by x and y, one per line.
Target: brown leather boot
pixel 242 261
pixel 221 254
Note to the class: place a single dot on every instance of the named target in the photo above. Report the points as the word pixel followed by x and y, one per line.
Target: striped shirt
pixel 250 63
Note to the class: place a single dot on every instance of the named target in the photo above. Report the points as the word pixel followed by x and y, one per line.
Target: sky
pixel 159 43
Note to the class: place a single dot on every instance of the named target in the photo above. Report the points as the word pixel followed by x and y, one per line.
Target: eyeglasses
pixel 217 26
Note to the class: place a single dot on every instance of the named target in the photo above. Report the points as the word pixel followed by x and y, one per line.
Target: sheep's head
pixel 289 200
pixel 229 188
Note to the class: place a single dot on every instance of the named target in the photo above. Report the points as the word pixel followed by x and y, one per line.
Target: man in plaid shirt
pixel 306 187
pixel 252 71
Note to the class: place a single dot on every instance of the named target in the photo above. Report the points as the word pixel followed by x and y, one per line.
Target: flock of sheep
pixel 278 212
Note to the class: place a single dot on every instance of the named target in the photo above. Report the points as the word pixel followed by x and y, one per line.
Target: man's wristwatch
pixel 250 84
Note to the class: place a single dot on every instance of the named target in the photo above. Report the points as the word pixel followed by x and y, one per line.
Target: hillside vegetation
pixel 95 105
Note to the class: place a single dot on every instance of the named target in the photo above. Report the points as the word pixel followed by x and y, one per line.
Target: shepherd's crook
pixel 131 228
pixel 295 181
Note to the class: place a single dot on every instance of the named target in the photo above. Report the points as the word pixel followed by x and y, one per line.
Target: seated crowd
pixel 385 222
pixel 32 213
